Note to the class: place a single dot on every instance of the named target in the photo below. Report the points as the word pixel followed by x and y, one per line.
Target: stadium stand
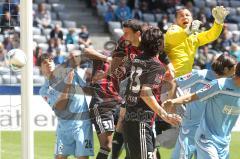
pixel 93 15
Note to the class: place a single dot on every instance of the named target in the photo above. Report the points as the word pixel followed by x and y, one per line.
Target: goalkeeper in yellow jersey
pixel 182 39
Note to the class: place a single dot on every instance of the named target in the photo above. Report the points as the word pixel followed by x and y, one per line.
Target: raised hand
pixel 219 13
pixel 195 26
pixel 168 105
pixel 69 79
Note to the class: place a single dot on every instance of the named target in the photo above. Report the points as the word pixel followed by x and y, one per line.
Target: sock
pixel 117 144
pixel 103 153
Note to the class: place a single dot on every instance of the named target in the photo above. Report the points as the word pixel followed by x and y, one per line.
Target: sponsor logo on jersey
pixel 186 77
pixel 205 88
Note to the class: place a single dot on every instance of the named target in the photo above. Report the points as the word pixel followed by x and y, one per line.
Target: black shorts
pixel 139 140
pixel 161 126
pixel 103 121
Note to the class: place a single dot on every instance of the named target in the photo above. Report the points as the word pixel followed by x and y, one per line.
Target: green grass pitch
pixel 44 145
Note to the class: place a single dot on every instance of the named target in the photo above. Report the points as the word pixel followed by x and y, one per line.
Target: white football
pixel 16 59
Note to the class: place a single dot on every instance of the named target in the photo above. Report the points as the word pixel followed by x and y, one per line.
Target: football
pixel 16 59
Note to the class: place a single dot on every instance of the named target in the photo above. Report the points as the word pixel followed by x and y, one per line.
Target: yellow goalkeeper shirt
pixel 181 48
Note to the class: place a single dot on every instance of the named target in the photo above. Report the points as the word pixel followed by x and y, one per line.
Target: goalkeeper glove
pixel 219 13
pixel 193 27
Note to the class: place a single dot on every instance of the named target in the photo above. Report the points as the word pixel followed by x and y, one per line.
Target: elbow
pixel 61 105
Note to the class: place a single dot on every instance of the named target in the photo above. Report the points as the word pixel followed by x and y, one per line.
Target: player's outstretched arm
pixel 150 100
pixel 219 13
pixel 95 55
pixel 168 104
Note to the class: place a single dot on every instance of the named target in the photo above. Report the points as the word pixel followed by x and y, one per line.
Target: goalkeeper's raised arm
pixel 219 13
pixel 183 38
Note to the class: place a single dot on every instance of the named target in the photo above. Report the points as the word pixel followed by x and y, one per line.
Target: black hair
pixel 180 9
pixel 237 70
pixel 222 62
pixel 44 57
pixel 152 41
pixel 133 24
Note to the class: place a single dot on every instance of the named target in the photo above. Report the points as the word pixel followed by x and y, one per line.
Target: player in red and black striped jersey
pixel 146 75
pixel 127 50
pixel 108 86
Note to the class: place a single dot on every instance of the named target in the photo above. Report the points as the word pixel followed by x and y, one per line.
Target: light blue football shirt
pixel 194 81
pixel 222 98
pixel 77 109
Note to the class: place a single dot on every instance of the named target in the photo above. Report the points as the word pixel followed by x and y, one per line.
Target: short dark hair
pixel 223 61
pixel 152 41
pixel 180 9
pixel 133 24
pixel 237 70
pixel 44 57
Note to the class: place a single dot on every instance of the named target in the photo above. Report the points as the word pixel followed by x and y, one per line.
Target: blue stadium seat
pixel 36 31
pixel 63 16
pixel 47 31
pixel 9 79
pixel 224 3
pixel 233 11
pixel 171 17
pixel 148 17
pixel 158 17
pixel 232 26
pixel 38 80
pixel 54 15
pixel 58 7
pixel 40 39
pixel 54 22
pixel 199 3
pixel 69 24
pixel 154 24
pixel 235 4
pixel 211 3
pixel 43 46
pixel 48 7
pixel 39 1
pixel 35 6
pixel 113 25
pixel 65 31
pixel 36 70
pixel 1 80
pixel 53 1
pixel 1 38
pixel 4 71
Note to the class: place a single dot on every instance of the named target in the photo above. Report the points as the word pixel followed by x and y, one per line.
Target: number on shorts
pixel 135 81
pixel 107 124
pixel 88 144
pixel 150 155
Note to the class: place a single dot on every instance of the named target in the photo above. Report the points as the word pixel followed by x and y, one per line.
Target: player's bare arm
pixel 149 99
pixel 181 100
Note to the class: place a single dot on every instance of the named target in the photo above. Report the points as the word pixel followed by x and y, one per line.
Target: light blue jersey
pixel 74 131
pixel 77 109
pixel 195 81
pixel 222 99
pixel 185 145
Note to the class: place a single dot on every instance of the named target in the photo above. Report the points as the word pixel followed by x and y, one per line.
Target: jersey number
pixel 135 81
